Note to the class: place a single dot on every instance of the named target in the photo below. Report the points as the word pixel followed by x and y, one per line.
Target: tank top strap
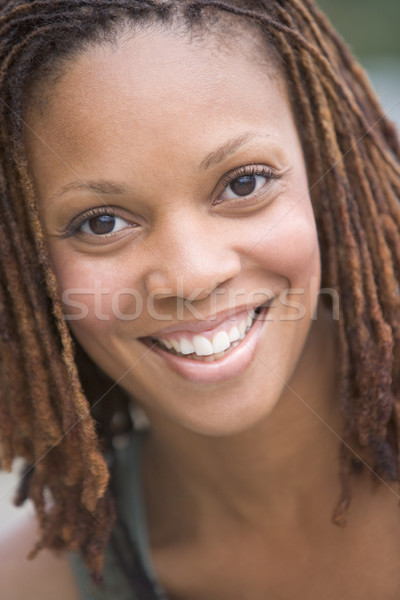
pixel 131 505
pixel 128 569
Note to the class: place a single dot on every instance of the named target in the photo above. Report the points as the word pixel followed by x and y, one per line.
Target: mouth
pixel 206 349
pixel 215 355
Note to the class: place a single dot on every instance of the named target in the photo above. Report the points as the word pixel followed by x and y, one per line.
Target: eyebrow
pixel 212 159
pixel 98 187
pixel 217 156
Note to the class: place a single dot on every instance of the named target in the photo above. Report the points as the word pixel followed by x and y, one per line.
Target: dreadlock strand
pixel 327 70
pixel 78 419
pixel 357 213
pixel 14 278
pixel 325 220
pixel 335 159
pixel 375 386
pixel 38 381
pixel 74 472
pixel 6 420
pixel 357 74
pixel 334 50
pixel 381 255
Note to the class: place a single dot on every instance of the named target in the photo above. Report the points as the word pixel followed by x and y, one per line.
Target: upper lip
pixel 209 323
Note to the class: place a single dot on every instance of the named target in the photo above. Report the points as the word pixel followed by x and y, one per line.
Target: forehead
pixel 131 50
pixel 156 86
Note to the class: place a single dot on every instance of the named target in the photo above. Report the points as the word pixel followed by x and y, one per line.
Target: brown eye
pixel 244 185
pixel 102 225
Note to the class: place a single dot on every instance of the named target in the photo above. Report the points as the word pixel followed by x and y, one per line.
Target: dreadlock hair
pixel 352 157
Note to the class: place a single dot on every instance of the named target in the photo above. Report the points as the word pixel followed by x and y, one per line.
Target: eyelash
pixel 80 220
pixel 256 170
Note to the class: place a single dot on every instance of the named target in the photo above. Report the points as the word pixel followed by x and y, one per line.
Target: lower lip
pixel 228 367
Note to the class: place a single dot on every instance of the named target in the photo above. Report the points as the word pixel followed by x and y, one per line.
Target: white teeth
pixel 202 346
pixel 165 343
pixel 242 328
pixel 234 334
pixel 220 342
pixel 176 345
pixel 186 347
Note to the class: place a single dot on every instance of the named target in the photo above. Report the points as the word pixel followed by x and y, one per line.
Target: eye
pixel 243 186
pixel 246 182
pixel 102 225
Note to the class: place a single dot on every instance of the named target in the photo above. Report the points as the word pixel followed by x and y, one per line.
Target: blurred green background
pixel 371 27
pixel 372 30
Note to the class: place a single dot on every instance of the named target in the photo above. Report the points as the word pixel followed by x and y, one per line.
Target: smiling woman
pixel 185 177
pixel 208 195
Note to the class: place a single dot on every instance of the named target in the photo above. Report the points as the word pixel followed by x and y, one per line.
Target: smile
pixel 215 355
pixel 204 347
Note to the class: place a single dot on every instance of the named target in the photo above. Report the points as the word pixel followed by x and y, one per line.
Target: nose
pixel 192 260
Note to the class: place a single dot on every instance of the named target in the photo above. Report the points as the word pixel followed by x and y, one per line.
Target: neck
pixel 278 469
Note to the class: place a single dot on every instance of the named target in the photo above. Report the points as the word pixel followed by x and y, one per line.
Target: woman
pixel 204 197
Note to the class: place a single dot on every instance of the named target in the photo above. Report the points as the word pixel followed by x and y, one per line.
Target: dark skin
pixel 239 499
pixel 285 550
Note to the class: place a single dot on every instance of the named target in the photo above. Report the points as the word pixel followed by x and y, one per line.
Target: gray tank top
pixel 131 507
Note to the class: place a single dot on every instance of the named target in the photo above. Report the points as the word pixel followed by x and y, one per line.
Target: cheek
pixel 289 246
pixel 96 293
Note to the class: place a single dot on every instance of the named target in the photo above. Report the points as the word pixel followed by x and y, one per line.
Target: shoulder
pixel 46 577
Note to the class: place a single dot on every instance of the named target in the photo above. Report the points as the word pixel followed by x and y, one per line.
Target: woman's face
pixel 173 193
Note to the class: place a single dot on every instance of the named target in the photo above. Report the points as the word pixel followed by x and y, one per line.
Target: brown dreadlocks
pixel 352 156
